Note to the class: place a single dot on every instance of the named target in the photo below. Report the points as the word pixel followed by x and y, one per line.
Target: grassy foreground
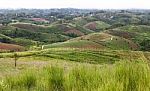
pixel 121 76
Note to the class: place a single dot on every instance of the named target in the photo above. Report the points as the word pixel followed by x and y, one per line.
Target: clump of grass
pixel 82 79
pixel 3 85
pixel 134 76
pixel 55 77
pixel 27 81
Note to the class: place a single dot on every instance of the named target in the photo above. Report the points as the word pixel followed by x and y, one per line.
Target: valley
pixel 74 50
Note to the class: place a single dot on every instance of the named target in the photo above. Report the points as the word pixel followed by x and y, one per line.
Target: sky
pixel 82 4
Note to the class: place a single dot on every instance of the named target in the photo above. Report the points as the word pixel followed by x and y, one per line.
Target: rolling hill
pixel 30 32
pixel 82 29
pixel 136 33
pixel 98 41
pixel 28 35
pixel 74 50
pixel 97 26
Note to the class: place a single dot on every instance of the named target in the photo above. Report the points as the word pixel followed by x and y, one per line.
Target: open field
pixel 36 73
pixel 75 69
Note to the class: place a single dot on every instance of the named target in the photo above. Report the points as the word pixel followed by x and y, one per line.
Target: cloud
pixel 100 4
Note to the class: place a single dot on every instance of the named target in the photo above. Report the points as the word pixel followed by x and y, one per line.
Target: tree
pixel 145 45
pixel 5 22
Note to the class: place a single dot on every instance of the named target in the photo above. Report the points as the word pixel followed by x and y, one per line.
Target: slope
pixel 98 41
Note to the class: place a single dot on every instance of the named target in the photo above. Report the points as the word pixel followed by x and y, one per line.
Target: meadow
pixel 67 69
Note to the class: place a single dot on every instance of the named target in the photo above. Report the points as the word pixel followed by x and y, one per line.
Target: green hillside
pixel 98 40
pixel 97 26
pixel 138 34
pixel 83 20
pixel 84 44
pixel 11 34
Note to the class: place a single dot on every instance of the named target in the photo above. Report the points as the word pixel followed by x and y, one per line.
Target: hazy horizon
pixel 84 4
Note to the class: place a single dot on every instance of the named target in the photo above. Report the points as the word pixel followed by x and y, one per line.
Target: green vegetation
pixel 83 20
pixel 145 45
pixel 97 26
pixel 74 50
pixel 27 36
pixel 122 76
pixel 93 56
pixel 138 34
pixel 75 44
pixel 97 41
pixel 75 69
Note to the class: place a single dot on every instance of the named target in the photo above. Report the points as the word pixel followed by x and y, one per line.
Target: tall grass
pixel 22 82
pixel 55 78
pixel 122 76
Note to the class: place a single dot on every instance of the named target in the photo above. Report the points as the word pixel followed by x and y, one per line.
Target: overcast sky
pixel 93 4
